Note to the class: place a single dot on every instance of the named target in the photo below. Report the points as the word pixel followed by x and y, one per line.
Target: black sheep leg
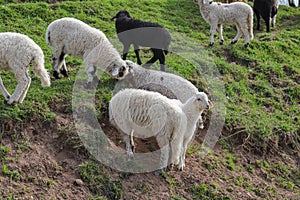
pixel 137 53
pixel 125 51
pixel 162 60
pixel 258 19
pixel 267 21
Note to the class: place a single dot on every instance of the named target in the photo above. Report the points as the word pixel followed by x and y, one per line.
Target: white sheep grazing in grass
pixel 144 114
pixel 169 85
pixel 217 14
pixel 17 52
pixel 69 36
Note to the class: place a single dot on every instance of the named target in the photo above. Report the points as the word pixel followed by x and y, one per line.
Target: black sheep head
pixel 121 14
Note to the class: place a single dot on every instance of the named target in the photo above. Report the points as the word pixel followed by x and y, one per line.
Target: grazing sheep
pixel 17 51
pixel 69 36
pixel 145 113
pixel 140 33
pixel 217 14
pixel 268 10
pixel 169 85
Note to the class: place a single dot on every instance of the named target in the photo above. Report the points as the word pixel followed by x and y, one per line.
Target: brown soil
pixel 46 159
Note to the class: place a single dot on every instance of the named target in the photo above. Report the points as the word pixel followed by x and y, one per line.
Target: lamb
pixel 145 113
pixel 69 36
pixel 217 14
pixel 17 52
pixel 140 33
pixel 268 10
pixel 169 85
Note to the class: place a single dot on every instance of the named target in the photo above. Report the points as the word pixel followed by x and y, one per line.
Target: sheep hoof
pixel 211 44
pixel 221 42
pixel 233 41
pixel 64 72
pixel 246 45
pixel 56 75
pixel 180 167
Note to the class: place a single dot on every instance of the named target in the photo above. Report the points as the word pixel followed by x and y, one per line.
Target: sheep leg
pixel 23 95
pixel 238 35
pixel 63 69
pixel 137 53
pixel 92 78
pixel 4 91
pixel 128 146
pixel 164 145
pixel 23 81
pixel 273 21
pixel 58 60
pixel 200 123
pixel 258 19
pixel 152 60
pixel 162 60
pixel 267 19
pixel 220 31
pixel 125 51
pixel 244 30
pixel 181 164
pixel 213 28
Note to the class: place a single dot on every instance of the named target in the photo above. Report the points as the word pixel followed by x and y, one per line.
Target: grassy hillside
pixel 262 85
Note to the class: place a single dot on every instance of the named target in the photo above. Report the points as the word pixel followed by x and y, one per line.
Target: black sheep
pixel 140 33
pixel 268 10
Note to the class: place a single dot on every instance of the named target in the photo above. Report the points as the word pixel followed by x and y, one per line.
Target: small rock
pixel 79 182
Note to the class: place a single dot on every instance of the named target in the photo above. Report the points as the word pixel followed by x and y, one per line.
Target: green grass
pixel 261 82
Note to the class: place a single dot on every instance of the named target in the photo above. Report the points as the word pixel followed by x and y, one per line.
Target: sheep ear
pixel 114 17
pixel 210 104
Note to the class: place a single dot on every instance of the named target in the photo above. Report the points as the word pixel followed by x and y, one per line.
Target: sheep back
pixel 16 45
pixel 165 83
pixel 75 37
pixel 147 113
pixel 148 34
pixel 225 13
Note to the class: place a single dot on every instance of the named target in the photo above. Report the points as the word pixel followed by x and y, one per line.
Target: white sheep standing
pixel 69 36
pixel 169 85
pixel 17 51
pixel 217 14
pixel 146 113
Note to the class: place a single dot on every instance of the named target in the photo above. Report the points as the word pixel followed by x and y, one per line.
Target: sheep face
pixel 121 14
pixel 202 102
pixel 119 71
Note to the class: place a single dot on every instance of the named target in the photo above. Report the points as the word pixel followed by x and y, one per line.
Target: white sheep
pixel 17 51
pixel 144 114
pixel 69 36
pixel 169 85
pixel 217 14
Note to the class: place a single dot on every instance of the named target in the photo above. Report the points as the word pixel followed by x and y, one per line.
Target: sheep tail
pixel 250 25
pixel 40 71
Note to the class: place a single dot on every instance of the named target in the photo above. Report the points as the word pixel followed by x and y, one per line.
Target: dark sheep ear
pixel 114 17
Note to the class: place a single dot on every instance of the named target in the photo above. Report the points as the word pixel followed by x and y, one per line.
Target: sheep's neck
pixel 191 112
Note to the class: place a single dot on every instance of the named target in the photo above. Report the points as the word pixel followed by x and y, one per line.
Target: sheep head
pixel 121 14
pixel 120 70
pixel 202 102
